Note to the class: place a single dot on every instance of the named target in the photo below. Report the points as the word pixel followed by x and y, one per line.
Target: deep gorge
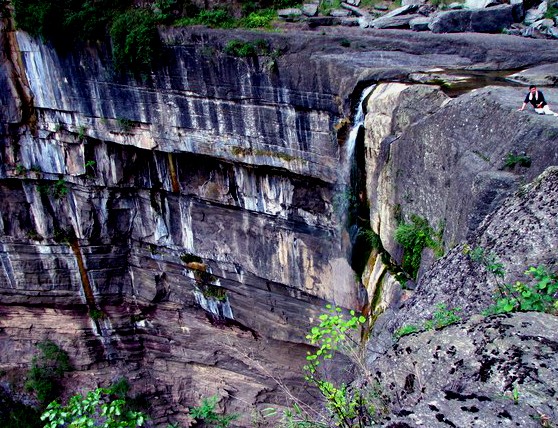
pixel 201 208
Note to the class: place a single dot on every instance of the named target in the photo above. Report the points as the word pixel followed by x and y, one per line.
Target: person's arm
pixel 525 102
pixel 541 101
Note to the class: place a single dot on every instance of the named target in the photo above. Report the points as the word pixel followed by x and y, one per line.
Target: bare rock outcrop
pixel 498 371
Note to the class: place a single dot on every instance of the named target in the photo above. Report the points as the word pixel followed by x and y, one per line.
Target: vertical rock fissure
pixel 85 283
pixel 17 77
pixel 174 179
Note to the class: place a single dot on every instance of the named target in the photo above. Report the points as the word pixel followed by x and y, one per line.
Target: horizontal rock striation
pixel 183 227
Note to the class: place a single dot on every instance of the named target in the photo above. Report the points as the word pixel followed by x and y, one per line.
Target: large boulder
pixel 448 160
pixel 489 20
pixel 520 234
pixel 536 13
pixel 485 373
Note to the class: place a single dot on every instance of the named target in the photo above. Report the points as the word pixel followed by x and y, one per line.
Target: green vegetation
pixel 60 188
pixel 47 369
pixel 347 406
pixel 442 317
pixel 211 291
pixel 520 159
pixel 124 124
pixel 551 11
pixel 20 169
pixel 539 296
pixel 240 48
pixel 133 30
pixel 135 40
pixel 206 416
pixel 406 330
pixel 17 415
pixel 82 132
pixel 99 408
pixel 414 237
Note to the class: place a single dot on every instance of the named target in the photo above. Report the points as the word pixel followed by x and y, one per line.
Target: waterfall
pixel 358 121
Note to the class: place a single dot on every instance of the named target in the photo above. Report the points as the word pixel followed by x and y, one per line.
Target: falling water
pixel 358 121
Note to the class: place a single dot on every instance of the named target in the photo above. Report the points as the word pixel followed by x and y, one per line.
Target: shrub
pixel 415 237
pixel 541 296
pixel 405 331
pixel 521 159
pixel 205 414
pixel 135 40
pixel 46 371
pixel 65 21
pixel 96 409
pixel 259 19
pixel 442 317
pixel 347 406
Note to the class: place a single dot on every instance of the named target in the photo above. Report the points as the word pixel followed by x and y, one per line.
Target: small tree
pixel 347 406
pixel 97 409
pixel 47 369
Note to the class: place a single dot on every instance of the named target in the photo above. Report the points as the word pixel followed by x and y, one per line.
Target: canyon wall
pixel 185 227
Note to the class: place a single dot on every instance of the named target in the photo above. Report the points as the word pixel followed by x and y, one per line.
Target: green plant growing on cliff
pixel 82 132
pixel 240 48
pixel 347 406
pixel 124 124
pixel 551 11
pixel 259 19
pixel 520 159
pixel 442 317
pixel 540 296
pixel 99 408
pixel 60 188
pixel 414 237
pixel 47 369
pixel 405 331
pixel 135 40
pixel 206 415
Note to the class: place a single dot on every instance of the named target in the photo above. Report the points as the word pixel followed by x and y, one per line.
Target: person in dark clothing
pixel 536 99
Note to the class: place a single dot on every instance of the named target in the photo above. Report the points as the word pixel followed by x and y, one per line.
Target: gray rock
pixel 339 13
pixel 401 21
pixel 455 6
pixel 310 9
pixel 420 23
pixel 322 21
pixel 483 373
pixel 289 14
pixel 490 20
pixel 528 32
pixel 480 4
pixel 413 2
pixel 542 23
pixel 349 22
pixel 381 7
pixel 403 10
pixel 536 14
pixel 552 31
pixel 353 2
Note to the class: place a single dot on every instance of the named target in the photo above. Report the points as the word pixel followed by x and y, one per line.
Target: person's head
pixel 532 89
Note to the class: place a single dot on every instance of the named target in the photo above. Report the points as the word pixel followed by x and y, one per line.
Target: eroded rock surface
pixel 498 371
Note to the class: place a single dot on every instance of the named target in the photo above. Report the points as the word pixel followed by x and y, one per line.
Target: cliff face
pixel 207 187
pixel 185 227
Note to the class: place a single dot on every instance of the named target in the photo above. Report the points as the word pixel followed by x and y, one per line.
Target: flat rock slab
pixel 490 20
pixel 543 75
